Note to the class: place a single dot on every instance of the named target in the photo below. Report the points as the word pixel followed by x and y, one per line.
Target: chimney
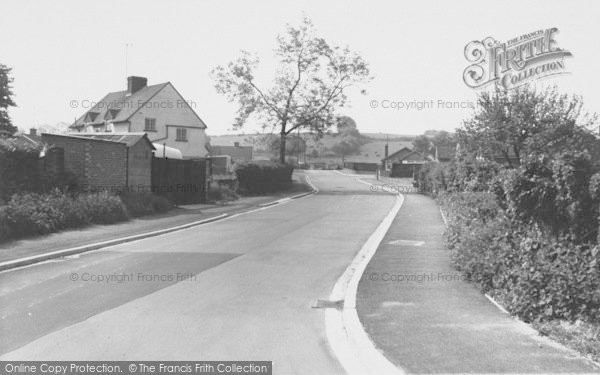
pixel 33 131
pixel 236 144
pixel 386 150
pixel 135 84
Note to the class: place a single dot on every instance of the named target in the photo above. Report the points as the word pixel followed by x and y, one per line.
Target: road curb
pixel 350 342
pixel 15 263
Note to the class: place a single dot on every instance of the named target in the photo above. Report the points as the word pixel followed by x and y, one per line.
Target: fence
pixel 180 181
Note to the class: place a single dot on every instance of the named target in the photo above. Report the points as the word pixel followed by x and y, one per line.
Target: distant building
pixel 157 110
pixel 405 162
pixel 30 139
pixel 237 152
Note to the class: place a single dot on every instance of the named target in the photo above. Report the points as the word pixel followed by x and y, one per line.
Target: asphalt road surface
pixel 238 289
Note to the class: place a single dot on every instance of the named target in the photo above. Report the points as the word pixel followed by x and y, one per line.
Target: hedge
pixel 144 203
pixel 20 168
pixel 256 178
pixel 536 277
pixel 29 214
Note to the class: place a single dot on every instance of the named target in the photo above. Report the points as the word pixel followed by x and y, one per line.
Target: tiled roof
pixel 119 105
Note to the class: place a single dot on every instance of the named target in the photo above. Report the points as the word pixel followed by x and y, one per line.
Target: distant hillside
pixel 391 137
pixel 372 151
pixel 375 151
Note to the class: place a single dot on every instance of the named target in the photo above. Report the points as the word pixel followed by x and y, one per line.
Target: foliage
pixel 294 145
pixel 553 193
pixel 443 138
pixel 144 203
pixel 22 168
pixel 514 123
pixel 349 139
pixel 311 82
pixel 35 214
pixel 422 144
pixel 29 214
pixel 6 94
pixel 256 178
pixel 19 167
pixel 221 193
pixel 535 276
pixel 460 175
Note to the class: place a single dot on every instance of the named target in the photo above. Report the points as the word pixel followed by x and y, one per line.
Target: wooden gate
pixel 180 181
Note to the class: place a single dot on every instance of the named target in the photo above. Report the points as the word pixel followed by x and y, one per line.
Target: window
pixel 181 135
pixel 150 125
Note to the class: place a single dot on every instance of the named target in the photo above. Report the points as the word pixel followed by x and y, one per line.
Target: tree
pixel 295 145
pixel 6 127
pixel 310 83
pixel 515 123
pixel 422 144
pixel 443 138
pixel 349 138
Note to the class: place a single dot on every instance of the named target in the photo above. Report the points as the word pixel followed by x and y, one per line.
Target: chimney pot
pixel 135 84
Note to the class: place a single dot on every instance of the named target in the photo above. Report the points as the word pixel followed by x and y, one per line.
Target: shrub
pixel 220 193
pixel 556 193
pixel 256 178
pixel 432 178
pixel 537 277
pixel 35 214
pixel 103 208
pixel 144 203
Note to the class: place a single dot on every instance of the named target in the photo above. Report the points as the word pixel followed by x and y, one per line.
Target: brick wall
pixel 97 164
pixel 140 166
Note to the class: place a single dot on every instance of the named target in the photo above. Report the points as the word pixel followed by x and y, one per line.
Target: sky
pixel 65 54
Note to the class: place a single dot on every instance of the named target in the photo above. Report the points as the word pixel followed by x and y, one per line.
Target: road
pixel 237 289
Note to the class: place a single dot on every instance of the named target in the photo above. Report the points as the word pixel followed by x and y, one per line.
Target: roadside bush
pixel 220 193
pixel 432 178
pixel 558 194
pixel 103 208
pixel 535 276
pixel 257 178
pixel 144 203
pixel 35 214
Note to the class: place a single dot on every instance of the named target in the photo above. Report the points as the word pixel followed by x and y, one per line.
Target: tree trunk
pixel 282 147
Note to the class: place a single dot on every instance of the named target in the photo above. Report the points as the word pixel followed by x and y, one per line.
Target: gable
pixel 169 109
pixel 400 155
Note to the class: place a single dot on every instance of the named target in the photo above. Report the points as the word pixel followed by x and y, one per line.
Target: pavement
pixel 242 288
pixel 425 318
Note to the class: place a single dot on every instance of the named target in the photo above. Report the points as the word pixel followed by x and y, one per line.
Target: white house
pixel 158 110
